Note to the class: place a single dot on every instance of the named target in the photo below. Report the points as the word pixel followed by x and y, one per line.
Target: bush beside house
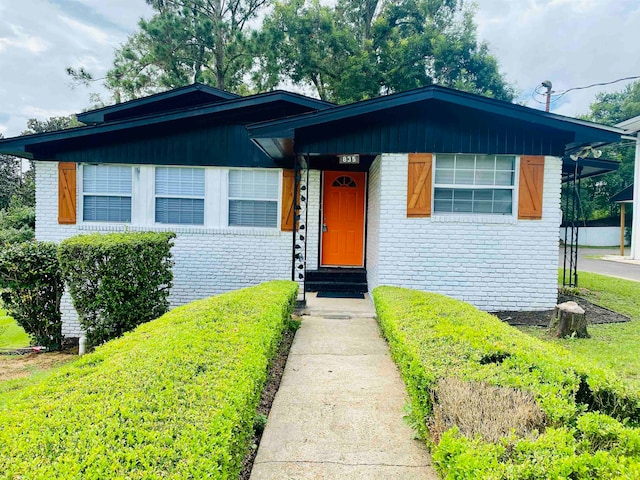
pixel 117 281
pixel 175 398
pixel 32 285
pixel 17 224
pixel 465 368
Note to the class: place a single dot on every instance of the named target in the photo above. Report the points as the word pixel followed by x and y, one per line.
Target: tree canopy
pixel 362 49
pixel 341 51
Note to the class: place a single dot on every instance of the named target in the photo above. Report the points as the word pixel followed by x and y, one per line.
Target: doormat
pixel 339 295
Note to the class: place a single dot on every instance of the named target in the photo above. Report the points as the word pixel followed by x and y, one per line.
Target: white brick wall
pixel 373 223
pixel 495 263
pixel 207 261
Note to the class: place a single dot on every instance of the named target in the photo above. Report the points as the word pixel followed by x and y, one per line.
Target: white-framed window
pixel 179 195
pixel 106 193
pixel 482 184
pixel 253 198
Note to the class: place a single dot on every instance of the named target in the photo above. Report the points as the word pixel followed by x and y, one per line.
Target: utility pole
pixel 547 84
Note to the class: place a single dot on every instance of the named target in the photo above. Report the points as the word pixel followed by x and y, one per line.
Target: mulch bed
pixel 594 313
pixel 266 399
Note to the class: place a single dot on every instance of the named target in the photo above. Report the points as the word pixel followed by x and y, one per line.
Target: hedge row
pixel 117 281
pixel 175 398
pixel 590 418
pixel 31 289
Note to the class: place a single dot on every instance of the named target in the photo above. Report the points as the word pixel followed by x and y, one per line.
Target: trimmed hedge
pixel 433 337
pixel 117 281
pixel 176 398
pixel 32 282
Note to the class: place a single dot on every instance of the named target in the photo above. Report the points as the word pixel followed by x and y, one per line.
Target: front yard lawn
pixel 11 334
pixel 614 345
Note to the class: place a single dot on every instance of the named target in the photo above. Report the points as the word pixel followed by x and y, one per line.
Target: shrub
pixel 176 398
pixel 117 281
pixel 32 282
pixel 17 224
pixel 433 337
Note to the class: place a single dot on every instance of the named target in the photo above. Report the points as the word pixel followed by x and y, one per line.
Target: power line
pixel 561 93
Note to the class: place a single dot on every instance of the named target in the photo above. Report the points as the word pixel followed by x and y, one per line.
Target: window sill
pixel 472 218
pixel 188 229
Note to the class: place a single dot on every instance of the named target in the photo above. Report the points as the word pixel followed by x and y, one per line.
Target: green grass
pixel 615 346
pixel 11 334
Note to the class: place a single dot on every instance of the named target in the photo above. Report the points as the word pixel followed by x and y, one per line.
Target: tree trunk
pixel 569 320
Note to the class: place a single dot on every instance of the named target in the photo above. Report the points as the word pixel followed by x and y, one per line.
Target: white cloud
pixel 570 42
pixel 17 38
pixel 85 31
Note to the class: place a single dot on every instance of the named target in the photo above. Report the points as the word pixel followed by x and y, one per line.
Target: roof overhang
pixel 586 167
pixel 271 135
pixel 631 125
pixel 624 196
pixel 189 95
pixel 24 146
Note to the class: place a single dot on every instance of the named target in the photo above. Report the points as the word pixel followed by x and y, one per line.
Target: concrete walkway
pixel 339 411
pixel 605 262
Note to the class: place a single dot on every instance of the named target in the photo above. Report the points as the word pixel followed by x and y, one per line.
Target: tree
pixel 609 109
pixel 186 41
pixel 361 49
pixel 10 178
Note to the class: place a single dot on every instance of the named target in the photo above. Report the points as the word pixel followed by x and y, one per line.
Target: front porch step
pixel 337 280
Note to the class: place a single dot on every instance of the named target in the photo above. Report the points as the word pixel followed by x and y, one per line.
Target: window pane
pixel 504 178
pixel 445 161
pixel 464 177
pixel 482 207
pixel 484 177
pixel 465 162
pixel 106 209
pixel 185 211
pixel 445 206
pixel 462 206
pixel 503 195
pixel 483 195
pixel 502 208
pixel 106 179
pixel 505 162
pixel 444 176
pixel 180 181
pixel 251 213
pixel 486 162
pixel 444 194
pixel 463 194
pixel 253 184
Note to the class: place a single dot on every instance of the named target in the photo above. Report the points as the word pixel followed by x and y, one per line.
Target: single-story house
pixel 432 189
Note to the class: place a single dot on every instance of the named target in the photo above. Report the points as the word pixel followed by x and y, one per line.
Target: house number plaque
pixel 349 159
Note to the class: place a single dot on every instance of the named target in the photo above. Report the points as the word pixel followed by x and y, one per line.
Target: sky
pixel 572 43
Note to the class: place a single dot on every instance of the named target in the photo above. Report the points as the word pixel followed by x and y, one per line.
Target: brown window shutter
pixel 288 186
pixel 419 185
pixel 66 192
pixel 531 186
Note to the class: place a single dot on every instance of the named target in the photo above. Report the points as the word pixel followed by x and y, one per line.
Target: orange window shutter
pixel 531 187
pixel 288 186
pixel 419 185
pixel 66 193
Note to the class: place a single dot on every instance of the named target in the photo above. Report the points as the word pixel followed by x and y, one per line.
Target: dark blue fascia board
pixel 585 132
pixel 21 144
pixel 97 115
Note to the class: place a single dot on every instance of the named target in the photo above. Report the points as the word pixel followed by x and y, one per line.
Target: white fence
pixel 596 236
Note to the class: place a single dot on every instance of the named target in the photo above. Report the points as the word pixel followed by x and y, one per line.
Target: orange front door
pixel 343 219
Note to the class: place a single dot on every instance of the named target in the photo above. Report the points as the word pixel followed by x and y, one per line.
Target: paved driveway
pixel 604 267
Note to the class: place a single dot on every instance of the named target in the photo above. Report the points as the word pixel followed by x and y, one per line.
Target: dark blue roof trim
pixel 624 196
pixel 19 146
pixel 98 115
pixel 585 132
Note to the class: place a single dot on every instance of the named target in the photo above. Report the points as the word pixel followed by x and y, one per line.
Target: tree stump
pixel 569 320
